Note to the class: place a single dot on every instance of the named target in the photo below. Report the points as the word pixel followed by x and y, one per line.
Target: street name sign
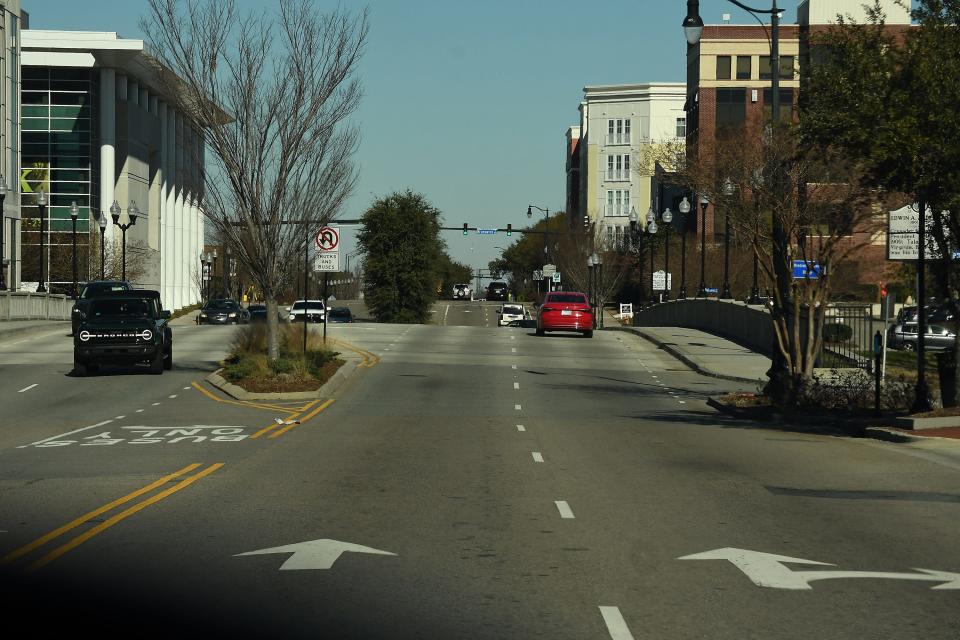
pixel 769 570
pixel 803 270
pixel 486 232
pixel 315 554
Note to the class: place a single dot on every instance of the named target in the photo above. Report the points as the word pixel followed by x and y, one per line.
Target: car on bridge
pixel 90 291
pixel 497 290
pixel 565 311
pixel 462 292
pixel 125 328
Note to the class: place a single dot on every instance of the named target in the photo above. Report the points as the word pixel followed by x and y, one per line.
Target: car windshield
pixel 340 312
pixel 126 307
pixel 567 297
pixel 222 305
pixel 100 288
pixel 513 310
pixel 312 305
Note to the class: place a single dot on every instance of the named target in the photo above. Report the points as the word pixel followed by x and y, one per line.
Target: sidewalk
pixel 13 329
pixel 190 318
pixel 705 353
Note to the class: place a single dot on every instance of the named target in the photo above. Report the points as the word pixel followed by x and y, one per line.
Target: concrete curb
pixel 685 359
pixel 329 387
pixel 21 332
pixel 918 424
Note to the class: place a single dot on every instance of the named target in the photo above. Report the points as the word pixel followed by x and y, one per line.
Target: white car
pixel 307 311
pixel 462 292
pixel 510 312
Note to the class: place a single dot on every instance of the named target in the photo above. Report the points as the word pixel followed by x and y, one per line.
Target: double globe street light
pixel 132 214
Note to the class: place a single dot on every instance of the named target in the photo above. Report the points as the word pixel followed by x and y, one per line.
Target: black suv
pixel 497 291
pixel 90 291
pixel 124 328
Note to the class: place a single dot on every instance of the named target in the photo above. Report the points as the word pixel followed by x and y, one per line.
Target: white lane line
pixel 513 366
pixel 517 407
pixel 445 312
pixel 682 402
pixel 516 385
pixel 155 404
pixel 513 349
pixel 120 417
pixel 139 411
pixel 537 456
pixel 616 625
pixel 513 337
pixel 64 435
pixel 28 388
pixel 520 427
pixel 564 509
pixel 186 388
pixel 172 397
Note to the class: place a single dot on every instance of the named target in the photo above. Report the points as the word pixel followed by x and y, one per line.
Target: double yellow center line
pixel 106 524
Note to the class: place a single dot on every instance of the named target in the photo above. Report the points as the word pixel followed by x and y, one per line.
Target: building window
pixel 618 166
pixel 723 67
pixel 744 64
pixel 618 202
pixel 786 104
pixel 786 67
pixel 618 131
pixel 731 109
pixel 681 127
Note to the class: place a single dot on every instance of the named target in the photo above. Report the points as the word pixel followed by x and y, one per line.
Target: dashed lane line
pixel 517 407
pixel 565 511
pixel 616 625
pixel 537 456
pixel 520 427
pixel 28 388
pixel 516 385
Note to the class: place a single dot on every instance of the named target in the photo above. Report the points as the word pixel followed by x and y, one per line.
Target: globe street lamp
pixel 637 233
pixel 704 203
pixel 42 203
pixel 102 221
pixel 667 217
pixel 3 222
pixel 684 210
pixel 590 279
pixel 132 214
pixel 728 190
pixel 598 263
pixel 74 212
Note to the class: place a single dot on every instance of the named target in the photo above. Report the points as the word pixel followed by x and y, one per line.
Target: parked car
pixel 340 314
pixel 90 291
pixel 905 336
pixel 509 312
pixel 307 311
pixel 258 312
pixel 126 328
pixel 462 292
pixel 497 290
pixel 222 311
pixel 565 311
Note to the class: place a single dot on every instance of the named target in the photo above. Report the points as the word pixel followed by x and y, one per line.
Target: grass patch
pixel 248 367
pixel 182 312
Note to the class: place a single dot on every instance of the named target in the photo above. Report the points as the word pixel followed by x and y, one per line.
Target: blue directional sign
pixel 712 290
pixel 486 232
pixel 806 270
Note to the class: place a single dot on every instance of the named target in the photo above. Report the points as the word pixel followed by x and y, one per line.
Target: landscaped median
pixel 248 374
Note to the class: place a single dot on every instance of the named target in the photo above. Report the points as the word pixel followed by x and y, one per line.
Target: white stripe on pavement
pixel 565 512
pixel 517 407
pixel 520 427
pixel 537 456
pixel 64 435
pixel 616 625
pixel 516 385
pixel 28 388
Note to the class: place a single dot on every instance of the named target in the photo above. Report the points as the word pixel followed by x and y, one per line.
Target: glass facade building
pixel 59 139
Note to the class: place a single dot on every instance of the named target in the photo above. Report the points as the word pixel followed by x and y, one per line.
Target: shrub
pixel 282 365
pixel 836 332
pixel 238 370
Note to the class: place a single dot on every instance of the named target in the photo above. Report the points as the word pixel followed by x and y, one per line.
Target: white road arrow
pixel 315 554
pixel 768 570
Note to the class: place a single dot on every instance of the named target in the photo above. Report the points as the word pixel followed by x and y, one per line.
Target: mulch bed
pixel 288 385
pixel 943 432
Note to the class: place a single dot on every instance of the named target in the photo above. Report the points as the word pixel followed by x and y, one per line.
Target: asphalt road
pixel 526 488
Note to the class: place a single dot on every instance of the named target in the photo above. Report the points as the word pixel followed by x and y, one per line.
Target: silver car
pixel 905 336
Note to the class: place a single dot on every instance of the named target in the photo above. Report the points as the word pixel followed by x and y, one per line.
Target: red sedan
pixel 565 311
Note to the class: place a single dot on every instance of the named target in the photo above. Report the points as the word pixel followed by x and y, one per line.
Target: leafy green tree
pixel 526 255
pixel 400 237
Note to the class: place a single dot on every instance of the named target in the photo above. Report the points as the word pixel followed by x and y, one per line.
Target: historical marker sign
pixel 903 238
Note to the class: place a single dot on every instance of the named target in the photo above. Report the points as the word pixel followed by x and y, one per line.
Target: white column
pixel 164 218
pixel 196 237
pixel 180 261
pixel 108 143
pixel 170 210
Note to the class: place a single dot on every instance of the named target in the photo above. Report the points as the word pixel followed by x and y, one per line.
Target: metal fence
pixel 26 305
pixel 848 330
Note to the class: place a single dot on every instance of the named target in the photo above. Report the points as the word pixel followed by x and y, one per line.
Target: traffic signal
pixel 466 229
pixel 509 229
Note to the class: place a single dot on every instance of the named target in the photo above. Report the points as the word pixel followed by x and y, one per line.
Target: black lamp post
pixel 637 233
pixel 598 316
pixel 728 190
pixel 3 246
pixel 590 279
pixel 132 214
pixel 702 289
pixel 102 221
pixel 42 203
pixel 74 212
pixel 667 217
pixel 684 210
pixel 226 273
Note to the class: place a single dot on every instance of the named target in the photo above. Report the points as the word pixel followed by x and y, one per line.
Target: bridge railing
pixel 27 305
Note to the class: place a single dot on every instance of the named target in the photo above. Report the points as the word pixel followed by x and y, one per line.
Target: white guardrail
pixel 26 305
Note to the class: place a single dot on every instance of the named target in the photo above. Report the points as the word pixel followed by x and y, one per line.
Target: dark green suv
pixel 125 328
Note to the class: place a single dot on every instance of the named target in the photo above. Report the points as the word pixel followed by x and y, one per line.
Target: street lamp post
pixel 590 279
pixel 226 273
pixel 702 289
pixel 728 190
pixel 42 204
pixel 637 232
pixel 132 214
pixel 3 246
pixel 74 212
pixel 102 221
pixel 684 210
pixel 598 316
pixel 667 217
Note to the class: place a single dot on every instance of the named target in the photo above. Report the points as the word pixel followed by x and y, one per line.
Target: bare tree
pixel 576 246
pixel 270 96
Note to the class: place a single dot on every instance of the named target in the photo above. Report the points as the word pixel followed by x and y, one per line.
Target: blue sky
pixel 468 102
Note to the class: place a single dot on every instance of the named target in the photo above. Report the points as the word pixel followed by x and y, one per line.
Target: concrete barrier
pixel 26 305
pixel 749 326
